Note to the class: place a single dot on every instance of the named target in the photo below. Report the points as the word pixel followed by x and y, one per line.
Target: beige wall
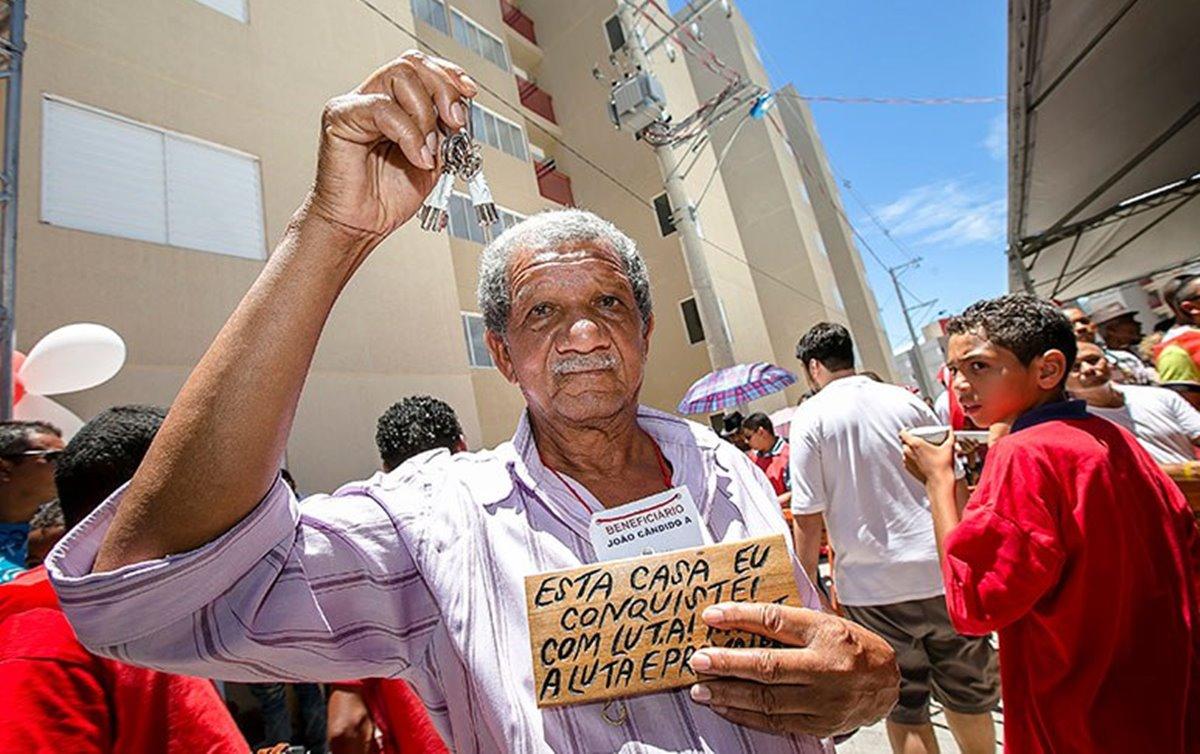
pixel 259 88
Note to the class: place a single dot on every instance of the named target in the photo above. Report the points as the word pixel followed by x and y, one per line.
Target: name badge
pixel 659 523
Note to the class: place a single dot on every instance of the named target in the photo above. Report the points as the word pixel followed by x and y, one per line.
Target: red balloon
pixel 18 387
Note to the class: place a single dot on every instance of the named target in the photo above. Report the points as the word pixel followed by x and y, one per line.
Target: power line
pixel 850 100
pixel 647 203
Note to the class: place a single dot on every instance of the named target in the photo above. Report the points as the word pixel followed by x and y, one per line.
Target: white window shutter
pixel 102 174
pixel 214 200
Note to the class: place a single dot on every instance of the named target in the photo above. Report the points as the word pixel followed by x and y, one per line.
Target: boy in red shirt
pixel 54 694
pixel 770 454
pixel 1075 547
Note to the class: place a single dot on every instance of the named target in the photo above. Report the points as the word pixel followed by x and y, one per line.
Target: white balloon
pixel 75 357
pixel 33 407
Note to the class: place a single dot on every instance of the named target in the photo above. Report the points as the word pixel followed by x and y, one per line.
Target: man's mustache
pixel 588 362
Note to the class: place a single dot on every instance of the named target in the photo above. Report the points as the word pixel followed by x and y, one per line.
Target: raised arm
pixel 376 164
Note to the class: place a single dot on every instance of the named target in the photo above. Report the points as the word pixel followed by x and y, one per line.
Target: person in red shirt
pixel 1075 547
pixel 770 454
pixel 57 696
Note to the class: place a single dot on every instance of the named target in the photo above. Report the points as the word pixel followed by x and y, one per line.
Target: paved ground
pixel 873 740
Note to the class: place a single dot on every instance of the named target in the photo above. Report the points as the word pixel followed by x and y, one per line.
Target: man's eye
pixel 608 302
pixel 977 366
pixel 540 310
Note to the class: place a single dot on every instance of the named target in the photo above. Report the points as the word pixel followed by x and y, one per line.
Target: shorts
pixel 961 671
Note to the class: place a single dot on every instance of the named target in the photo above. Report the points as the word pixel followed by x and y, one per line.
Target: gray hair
pixel 554 229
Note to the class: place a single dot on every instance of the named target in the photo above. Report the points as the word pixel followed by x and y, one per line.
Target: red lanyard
pixel 662 467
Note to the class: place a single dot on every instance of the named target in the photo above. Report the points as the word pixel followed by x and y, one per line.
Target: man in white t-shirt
pixel 847 472
pixel 1164 423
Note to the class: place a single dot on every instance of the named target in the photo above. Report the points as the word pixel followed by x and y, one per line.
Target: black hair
pixel 828 343
pixel 1175 286
pixel 16 436
pixel 1019 322
pixel 758 421
pixel 102 456
pixel 414 425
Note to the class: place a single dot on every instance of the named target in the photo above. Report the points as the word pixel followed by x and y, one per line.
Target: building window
pixel 691 321
pixel 464 225
pixel 662 210
pixel 432 12
pixel 106 174
pixel 235 9
pixel 498 132
pixel 478 39
pixel 477 351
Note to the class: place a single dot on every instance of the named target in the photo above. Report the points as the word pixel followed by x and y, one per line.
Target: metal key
pixel 435 210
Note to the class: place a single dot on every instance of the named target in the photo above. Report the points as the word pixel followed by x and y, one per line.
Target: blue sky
pixel 934 175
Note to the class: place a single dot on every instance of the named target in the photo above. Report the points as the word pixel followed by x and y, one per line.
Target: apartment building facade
pixel 165 144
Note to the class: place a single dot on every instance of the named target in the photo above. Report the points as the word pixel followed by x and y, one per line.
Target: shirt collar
pixel 1069 409
pixel 776 449
pixel 525 464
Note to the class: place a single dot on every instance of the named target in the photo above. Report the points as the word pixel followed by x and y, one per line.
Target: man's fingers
pixel 758 697
pixel 366 118
pixel 411 94
pixel 793 626
pixel 444 81
pixel 813 725
pixel 773 666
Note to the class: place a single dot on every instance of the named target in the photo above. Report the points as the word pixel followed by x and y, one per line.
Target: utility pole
pixel 716 337
pixel 12 50
pixel 916 358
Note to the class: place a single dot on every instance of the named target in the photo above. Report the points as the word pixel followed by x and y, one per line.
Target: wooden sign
pixel 629 627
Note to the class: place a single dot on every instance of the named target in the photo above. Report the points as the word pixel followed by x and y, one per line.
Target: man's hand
pixel 927 461
pixel 833 677
pixel 379 143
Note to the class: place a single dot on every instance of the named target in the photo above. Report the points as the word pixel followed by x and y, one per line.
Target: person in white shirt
pixel 1164 423
pixel 847 472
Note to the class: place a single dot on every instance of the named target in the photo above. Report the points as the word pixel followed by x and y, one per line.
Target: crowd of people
pixel 395 606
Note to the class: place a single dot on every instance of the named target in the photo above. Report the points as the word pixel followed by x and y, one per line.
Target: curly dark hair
pixel 828 343
pixel 102 456
pixel 414 425
pixel 1018 322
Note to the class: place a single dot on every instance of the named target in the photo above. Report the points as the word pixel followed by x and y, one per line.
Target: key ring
pixel 614 721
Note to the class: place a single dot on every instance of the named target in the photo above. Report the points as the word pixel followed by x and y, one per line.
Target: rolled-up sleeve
pixel 1006 552
pixel 314 591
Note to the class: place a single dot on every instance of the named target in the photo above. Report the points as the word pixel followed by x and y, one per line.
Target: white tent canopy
pixel 1104 141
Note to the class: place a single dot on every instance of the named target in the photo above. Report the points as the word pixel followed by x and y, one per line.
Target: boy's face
pixel 993 385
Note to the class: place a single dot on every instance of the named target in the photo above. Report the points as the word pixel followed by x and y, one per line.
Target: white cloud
pixel 947 212
pixel 996 141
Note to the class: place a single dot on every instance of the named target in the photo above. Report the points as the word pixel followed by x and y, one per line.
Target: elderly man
pixel 206 564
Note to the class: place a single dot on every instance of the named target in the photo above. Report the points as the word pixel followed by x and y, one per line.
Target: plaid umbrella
pixel 734 386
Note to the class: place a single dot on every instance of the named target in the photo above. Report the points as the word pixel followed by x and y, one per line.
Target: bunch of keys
pixel 461 158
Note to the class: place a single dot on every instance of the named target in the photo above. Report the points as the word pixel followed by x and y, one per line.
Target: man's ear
pixel 1051 368
pixel 498 348
pixel 647 331
pixel 6 467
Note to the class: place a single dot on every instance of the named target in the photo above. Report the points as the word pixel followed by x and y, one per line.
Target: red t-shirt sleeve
pixel 1006 552
pixel 51 698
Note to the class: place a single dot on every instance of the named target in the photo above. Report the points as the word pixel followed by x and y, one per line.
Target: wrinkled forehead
pixel 538 262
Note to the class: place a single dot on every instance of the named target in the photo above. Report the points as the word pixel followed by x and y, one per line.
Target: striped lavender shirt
pixel 417 574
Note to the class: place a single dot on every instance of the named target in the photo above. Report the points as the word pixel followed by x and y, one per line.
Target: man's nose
pixel 583 335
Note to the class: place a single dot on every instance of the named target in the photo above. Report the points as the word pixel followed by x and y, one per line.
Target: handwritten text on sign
pixel 629 627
